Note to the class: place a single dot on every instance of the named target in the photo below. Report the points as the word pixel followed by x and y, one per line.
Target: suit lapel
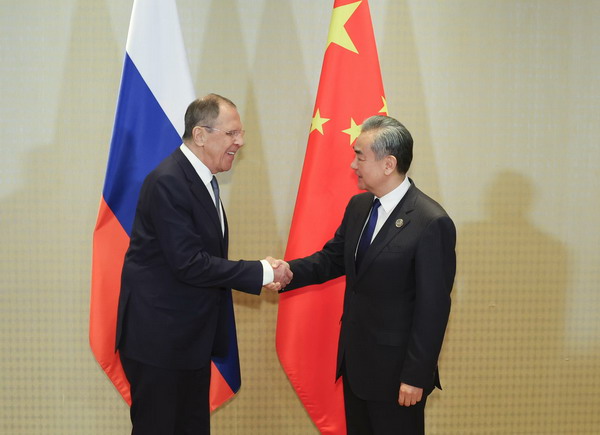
pixel 200 191
pixel 395 224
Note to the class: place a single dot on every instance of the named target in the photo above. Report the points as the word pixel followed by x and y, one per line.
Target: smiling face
pixel 217 149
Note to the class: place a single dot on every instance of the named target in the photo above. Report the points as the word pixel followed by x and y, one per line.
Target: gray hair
pixel 203 111
pixel 391 139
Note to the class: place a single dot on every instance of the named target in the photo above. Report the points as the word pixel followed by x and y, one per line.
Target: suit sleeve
pixel 435 267
pixel 185 242
pixel 323 265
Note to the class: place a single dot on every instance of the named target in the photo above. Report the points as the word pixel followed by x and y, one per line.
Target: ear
pixel 198 135
pixel 389 165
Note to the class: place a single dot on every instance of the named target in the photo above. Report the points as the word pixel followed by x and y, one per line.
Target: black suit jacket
pixel 396 307
pixel 176 281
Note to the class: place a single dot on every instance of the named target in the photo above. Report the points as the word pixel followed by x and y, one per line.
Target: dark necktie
pixel 215 186
pixel 367 235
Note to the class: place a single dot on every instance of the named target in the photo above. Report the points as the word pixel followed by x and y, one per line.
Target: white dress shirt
pixel 389 202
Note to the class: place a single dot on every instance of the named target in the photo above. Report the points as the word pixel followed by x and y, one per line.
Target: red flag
pixel 308 323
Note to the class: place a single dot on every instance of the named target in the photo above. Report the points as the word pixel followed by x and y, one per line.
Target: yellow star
pixel 384 109
pixel 317 123
pixel 337 31
pixel 353 131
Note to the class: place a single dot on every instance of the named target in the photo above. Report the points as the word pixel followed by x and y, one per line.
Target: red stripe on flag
pixel 110 245
pixel 220 392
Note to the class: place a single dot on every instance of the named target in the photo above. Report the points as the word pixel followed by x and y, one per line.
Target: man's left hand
pixel 409 395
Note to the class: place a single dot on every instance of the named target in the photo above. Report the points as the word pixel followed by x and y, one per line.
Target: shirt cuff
pixel 268 274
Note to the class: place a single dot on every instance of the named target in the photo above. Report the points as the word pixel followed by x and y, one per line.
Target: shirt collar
pixel 200 168
pixel 390 200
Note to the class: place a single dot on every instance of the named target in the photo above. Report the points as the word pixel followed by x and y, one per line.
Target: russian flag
pixel 156 88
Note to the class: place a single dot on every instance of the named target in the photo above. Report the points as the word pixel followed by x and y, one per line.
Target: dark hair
pixel 203 111
pixel 391 139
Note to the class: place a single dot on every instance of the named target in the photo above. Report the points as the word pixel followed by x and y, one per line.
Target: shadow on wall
pixel 506 338
pixel 403 84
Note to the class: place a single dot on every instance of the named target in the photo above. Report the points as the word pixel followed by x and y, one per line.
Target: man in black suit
pixel 175 301
pixel 395 246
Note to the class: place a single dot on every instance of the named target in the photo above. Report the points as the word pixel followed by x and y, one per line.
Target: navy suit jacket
pixel 396 306
pixel 174 305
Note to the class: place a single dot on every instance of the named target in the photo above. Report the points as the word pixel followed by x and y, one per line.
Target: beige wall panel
pixel 503 100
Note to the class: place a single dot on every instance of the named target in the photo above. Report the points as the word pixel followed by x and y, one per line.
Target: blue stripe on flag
pixel 142 137
pixel 229 365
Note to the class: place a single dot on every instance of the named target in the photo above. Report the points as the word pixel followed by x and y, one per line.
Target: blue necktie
pixel 215 186
pixel 367 235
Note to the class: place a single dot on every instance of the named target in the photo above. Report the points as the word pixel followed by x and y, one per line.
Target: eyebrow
pixel 357 151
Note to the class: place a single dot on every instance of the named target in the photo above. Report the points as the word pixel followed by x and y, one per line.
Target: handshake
pixel 282 272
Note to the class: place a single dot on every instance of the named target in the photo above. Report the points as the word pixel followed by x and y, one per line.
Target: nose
pixel 353 164
pixel 239 140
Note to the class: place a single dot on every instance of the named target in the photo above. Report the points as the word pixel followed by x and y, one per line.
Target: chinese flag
pixel 308 324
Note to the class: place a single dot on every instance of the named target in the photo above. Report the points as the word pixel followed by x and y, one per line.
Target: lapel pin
pixel 399 223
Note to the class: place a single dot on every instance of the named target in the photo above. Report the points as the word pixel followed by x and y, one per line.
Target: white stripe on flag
pixel 155 46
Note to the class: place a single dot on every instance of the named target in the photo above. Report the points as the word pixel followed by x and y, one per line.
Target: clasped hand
pixel 283 274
